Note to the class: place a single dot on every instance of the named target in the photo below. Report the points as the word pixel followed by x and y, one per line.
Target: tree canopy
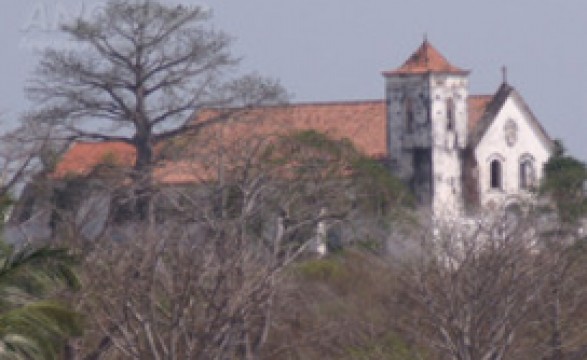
pixel 136 73
pixel 564 181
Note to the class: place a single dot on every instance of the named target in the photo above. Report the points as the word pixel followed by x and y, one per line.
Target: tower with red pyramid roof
pixel 427 126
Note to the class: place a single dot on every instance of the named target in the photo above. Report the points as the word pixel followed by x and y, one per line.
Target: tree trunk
pixel 143 177
pixel 556 336
pixel 144 154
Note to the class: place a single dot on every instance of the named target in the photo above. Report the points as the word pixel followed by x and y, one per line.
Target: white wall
pixel 448 144
pixel 493 143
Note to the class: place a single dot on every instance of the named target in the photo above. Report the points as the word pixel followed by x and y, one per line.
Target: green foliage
pixel 319 141
pixel 343 307
pixel 321 269
pixel 312 154
pixel 383 189
pixel 32 327
pixel 559 148
pixel 389 346
pixel 176 147
pixel 37 330
pixel 564 181
pixel 36 270
pixel 372 245
pixel 110 159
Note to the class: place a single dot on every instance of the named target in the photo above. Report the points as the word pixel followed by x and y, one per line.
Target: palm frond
pixel 30 326
pixel 35 271
pixel 17 347
pixel 37 330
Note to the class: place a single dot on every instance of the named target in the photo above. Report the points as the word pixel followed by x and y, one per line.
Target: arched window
pixel 450 114
pixel 495 174
pixel 527 173
pixel 409 115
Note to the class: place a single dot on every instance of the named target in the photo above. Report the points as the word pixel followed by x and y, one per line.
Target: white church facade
pixel 458 150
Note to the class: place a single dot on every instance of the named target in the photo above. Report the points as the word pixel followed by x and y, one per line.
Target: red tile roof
pixel 476 107
pixel 83 157
pixel 362 122
pixel 426 60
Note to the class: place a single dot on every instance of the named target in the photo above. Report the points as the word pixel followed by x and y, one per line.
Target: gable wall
pixel 493 145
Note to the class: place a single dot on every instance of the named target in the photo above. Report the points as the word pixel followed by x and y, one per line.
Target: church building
pixel 458 152
pixel 457 149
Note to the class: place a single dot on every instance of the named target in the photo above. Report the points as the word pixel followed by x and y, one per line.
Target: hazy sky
pixel 324 50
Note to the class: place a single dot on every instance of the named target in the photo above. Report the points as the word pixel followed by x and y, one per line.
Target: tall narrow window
pixel 495 174
pixel 450 114
pixel 409 115
pixel 527 174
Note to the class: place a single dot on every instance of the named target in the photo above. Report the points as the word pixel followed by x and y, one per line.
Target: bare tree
pixel 24 152
pixel 138 72
pixel 177 295
pixel 473 287
pixel 28 154
pixel 201 280
pixel 558 331
pixel 341 307
pixel 555 329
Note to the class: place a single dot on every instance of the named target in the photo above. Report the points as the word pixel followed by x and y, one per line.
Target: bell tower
pixel 427 127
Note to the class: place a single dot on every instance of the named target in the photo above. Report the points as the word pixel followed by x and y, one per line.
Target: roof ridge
pixel 491 110
pixel 301 103
pixel 325 103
